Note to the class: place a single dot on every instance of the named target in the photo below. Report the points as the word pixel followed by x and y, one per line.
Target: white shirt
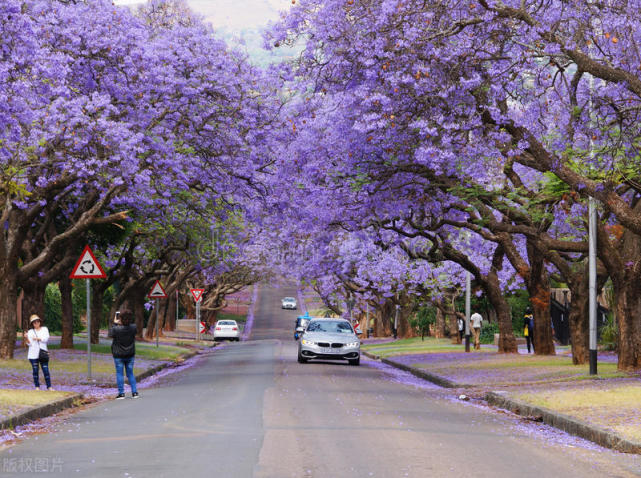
pixel 34 345
pixel 476 320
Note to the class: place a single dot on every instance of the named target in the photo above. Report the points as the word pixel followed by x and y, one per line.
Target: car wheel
pixel 301 359
pixel 355 361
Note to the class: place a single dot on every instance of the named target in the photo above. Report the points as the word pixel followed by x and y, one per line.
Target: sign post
pixel 198 297
pixel 157 292
pixel 87 267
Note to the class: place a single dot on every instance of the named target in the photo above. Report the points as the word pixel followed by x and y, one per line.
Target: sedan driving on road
pixel 227 329
pixel 289 303
pixel 329 339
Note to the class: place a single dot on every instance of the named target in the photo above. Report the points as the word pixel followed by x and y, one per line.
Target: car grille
pixel 323 344
pixel 337 346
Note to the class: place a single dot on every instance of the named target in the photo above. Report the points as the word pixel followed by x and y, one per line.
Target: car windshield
pixel 226 322
pixel 330 326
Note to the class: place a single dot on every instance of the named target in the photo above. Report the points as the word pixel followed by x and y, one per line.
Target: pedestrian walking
pixel 38 354
pixel 528 329
pixel 476 321
pixel 461 327
pixel 123 349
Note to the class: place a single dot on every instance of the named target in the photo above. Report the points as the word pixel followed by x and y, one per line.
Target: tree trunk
pixel 97 296
pixel 507 341
pixel 139 315
pixel 578 321
pixel 627 292
pixel 382 326
pixel 627 309
pixel 578 316
pixel 66 341
pixel 163 308
pixel 439 329
pixel 33 302
pixel 170 317
pixel 449 310
pixel 212 317
pixel 150 333
pixel 8 304
pixel 405 330
pixel 538 286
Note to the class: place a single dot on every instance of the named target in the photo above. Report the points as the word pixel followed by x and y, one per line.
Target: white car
pixel 227 329
pixel 289 303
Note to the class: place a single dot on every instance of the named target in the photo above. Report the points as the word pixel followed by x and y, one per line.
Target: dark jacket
pixel 124 340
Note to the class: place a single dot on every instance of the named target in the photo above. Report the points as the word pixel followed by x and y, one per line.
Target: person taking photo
pixel 123 349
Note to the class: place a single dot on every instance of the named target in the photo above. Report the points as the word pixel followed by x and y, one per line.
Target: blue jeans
pixel 35 366
pixel 128 365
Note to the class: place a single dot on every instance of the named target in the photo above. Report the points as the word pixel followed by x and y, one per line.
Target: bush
pixel 488 331
pixel 519 301
pixel 53 310
pixel 421 322
pixel 609 333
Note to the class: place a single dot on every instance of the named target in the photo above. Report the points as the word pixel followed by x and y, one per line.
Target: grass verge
pixel 416 346
pixel 613 407
pixel 143 350
pixel 15 401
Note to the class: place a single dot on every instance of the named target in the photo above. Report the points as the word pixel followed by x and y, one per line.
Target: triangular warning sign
pixel 87 267
pixel 157 292
pixel 198 294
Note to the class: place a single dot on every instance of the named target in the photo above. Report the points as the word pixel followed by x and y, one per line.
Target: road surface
pixel 250 410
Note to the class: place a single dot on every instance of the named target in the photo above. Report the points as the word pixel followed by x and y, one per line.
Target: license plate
pixel 328 350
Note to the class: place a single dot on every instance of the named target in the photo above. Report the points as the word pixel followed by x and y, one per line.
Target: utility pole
pixel 396 321
pixel 468 281
pixel 592 261
pixel 592 284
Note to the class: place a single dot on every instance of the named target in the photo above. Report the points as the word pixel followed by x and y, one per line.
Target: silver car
pixel 289 303
pixel 329 339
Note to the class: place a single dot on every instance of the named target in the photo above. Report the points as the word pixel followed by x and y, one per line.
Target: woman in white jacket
pixel 37 339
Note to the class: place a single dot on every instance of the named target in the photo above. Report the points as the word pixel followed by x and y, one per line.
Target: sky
pixel 234 15
pixel 244 19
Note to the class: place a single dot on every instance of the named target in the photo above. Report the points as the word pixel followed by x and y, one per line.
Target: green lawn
pixel 612 407
pixel 143 350
pixel 416 346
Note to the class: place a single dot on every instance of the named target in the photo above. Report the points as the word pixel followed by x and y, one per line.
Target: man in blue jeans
pixel 123 349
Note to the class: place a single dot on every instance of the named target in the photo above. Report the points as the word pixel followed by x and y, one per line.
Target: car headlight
pixel 307 342
pixel 353 344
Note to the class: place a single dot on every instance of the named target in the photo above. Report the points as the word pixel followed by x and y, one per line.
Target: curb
pixel 42 411
pixel 154 370
pixel 566 423
pixel 430 377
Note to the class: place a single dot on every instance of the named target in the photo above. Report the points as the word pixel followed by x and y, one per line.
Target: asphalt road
pixel 250 410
